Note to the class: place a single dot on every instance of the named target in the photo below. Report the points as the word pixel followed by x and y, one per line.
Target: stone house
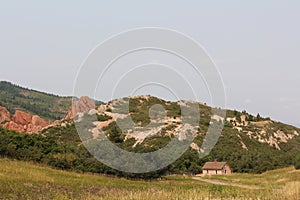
pixel 216 168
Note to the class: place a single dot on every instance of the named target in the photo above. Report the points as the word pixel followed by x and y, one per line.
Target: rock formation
pixel 21 118
pixel 83 104
pixel 25 122
pixel 11 125
pixel 4 114
pixel 22 121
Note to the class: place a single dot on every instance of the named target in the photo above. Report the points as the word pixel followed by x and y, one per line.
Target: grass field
pixel 22 180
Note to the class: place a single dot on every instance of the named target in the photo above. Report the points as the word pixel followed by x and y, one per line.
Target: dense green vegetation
pixel 45 105
pixel 257 159
pixel 61 148
pixel 103 117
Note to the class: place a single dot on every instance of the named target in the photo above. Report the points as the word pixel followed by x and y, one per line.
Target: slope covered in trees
pixel 45 105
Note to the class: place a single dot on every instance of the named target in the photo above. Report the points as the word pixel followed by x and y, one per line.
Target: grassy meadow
pixel 24 180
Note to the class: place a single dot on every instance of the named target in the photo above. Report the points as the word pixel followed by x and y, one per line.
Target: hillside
pixel 251 144
pixel 48 106
pixel 23 180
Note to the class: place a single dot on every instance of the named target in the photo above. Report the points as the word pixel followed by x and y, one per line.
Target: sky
pixel 255 45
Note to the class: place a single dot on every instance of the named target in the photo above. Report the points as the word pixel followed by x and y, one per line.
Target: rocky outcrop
pixel 37 124
pixel 70 114
pixel 14 126
pixel 38 121
pixel 81 105
pixel 4 115
pixel 21 118
pixel 23 122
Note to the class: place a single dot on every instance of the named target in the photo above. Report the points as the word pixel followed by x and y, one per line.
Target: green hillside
pixel 251 144
pixel 254 145
pixel 45 105
pixel 61 147
pixel 24 180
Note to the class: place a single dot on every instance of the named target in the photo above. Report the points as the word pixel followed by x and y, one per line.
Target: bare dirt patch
pixel 217 182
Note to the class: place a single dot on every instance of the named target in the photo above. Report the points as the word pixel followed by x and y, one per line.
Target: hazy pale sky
pixel 255 44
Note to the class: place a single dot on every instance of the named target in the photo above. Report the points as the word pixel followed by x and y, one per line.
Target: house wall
pixel 213 172
pixel 226 170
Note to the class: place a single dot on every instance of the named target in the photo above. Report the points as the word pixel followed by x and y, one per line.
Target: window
pixel 216 171
pixel 207 171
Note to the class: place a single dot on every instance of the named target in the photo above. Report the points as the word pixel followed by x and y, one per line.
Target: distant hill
pixel 48 106
pixel 251 144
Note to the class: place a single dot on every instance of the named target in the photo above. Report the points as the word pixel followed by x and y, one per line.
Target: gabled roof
pixel 214 165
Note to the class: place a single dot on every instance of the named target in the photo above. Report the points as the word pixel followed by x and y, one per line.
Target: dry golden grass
pixel 22 180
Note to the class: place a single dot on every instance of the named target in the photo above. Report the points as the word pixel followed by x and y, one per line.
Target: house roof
pixel 214 165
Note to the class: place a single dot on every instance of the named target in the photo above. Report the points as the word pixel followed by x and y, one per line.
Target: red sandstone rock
pixel 70 114
pixel 25 122
pixel 84 104
pixel 22 121
pixel 37 124
pixel 38 121
pixel 14 126
pixel 22 118
pixel 4 114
